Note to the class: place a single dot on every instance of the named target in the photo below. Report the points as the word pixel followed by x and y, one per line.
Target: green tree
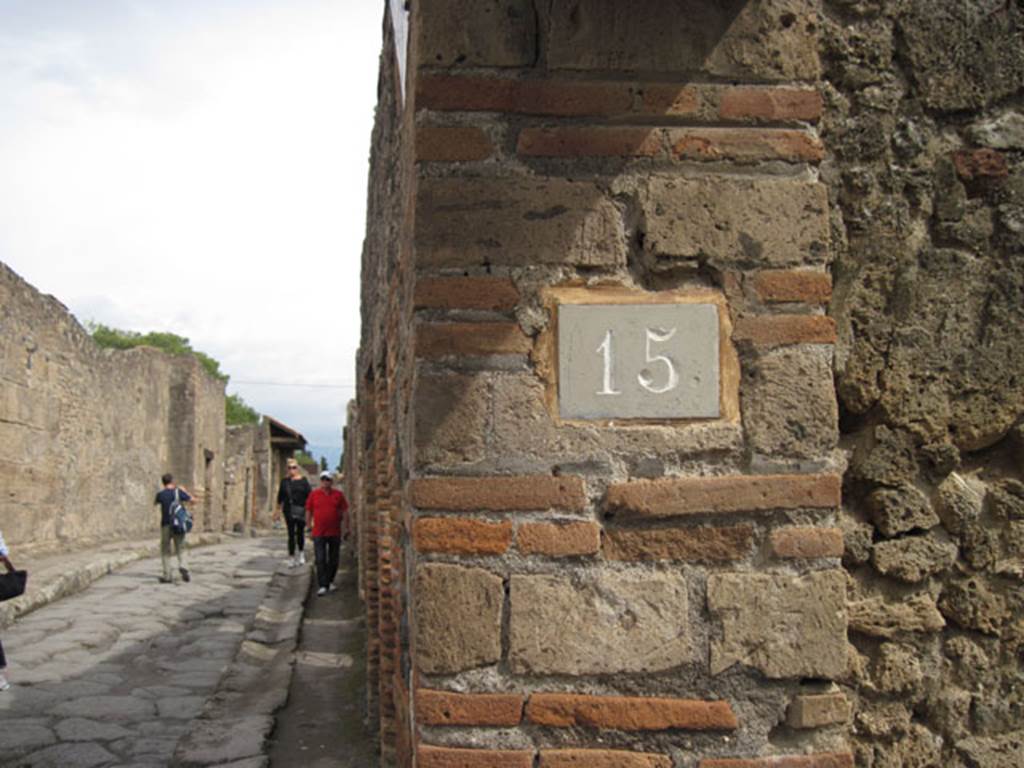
pixel 323 463
pixel 237 411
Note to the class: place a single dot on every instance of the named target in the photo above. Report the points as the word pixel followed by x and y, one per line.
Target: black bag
pixel 12 584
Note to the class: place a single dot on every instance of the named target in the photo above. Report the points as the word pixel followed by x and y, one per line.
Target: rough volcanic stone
pixel 78 755
pixel 901 509
pixel 80 729
pixel 972 604
pixel 452 418
pixel 913 558
pixel 898 668
pixel 784 626
pixel 458 618
pixel 477 33
pixel 599 624
pixel 19 734
pixel 108 707
pixel 876 617
pixel 993 752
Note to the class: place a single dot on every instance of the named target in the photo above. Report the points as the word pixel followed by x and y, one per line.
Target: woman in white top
pixel 5 559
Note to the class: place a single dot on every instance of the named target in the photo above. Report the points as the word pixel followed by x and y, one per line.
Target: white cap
pixel 326 474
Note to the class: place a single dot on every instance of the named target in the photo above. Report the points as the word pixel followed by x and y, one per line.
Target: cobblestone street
pixel 114 675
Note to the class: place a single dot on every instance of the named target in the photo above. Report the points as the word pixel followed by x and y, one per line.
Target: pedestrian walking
pixel 291 496
pixel 327 511
pixel 5 558
pixel 168 497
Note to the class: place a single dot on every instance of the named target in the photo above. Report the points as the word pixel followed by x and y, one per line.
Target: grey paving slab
pixel 115 674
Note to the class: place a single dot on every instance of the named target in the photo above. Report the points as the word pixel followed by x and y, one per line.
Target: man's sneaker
pixel 166 580
pixel 291 562
pixel 302 558
pixel 322 591
pixel 331 588
pixel 184 574
pixel 4 685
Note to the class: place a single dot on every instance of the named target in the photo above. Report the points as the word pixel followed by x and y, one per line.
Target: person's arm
pixel 4 554
pixel 183 495
pixel 282 498
pixel 309 510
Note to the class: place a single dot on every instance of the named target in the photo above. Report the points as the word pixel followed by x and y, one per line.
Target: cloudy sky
pixel 198 166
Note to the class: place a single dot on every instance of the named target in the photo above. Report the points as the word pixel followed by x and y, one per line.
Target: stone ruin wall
pixel 842 179
pixel 85 433
pixel 925 134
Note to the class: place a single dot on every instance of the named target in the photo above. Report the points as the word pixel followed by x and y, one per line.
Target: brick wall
pixel 565 592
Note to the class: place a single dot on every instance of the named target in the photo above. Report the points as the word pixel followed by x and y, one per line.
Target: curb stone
pixel 76 579
pixel 238 717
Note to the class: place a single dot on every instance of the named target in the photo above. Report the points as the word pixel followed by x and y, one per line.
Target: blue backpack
pixel 181 518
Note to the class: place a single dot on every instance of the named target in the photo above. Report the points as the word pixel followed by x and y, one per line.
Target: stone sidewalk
pixel 119 674
pixel 53 576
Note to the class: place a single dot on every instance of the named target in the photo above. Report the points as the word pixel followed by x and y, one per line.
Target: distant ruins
pixel 801 221
pixel 86 433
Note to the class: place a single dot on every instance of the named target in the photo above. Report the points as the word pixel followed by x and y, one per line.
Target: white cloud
pixel 198 167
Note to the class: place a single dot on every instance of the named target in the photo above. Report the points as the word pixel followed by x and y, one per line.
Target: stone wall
pixel 248 495
pixel 925 136
pixel 85 433
pixel 602 593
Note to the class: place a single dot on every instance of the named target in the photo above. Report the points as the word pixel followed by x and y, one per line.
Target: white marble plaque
pixel 638 361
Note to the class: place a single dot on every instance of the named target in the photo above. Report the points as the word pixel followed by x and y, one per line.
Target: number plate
pixel 638 361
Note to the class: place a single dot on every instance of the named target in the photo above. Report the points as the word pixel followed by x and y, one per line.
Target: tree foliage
pixel 171 343
pixel 236 410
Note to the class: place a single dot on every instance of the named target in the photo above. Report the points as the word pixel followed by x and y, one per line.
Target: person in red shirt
pixel 327 512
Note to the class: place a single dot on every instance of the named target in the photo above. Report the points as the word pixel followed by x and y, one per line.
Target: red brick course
pixel 468 339
pixel 628 713
pixel 485 709
pixel 798 542
pixel 793 285
pixel 459 536
pixel 499 494
pixel 452 143
pixel 446 757
pixel 601 758
pixel 742 103
pixel 559 539
pixel 667 497
pixel 487 293
pixel 745 144
pixel 590 142
pixel 780 330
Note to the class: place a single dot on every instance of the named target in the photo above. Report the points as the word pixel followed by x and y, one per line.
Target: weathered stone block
pixel 701 544
pixel 477 33
pixel 488 293
pixel 458 618
pixel 735 223
pixel 436 340
pixel 789 403
pixel 761 40
pixel 452 143
pixel 499 494
pixel 823 760
pixel 781 330
pixel 913 558
pixel 793 285
pixel 815 711
pixel 599 624
pixel 973 604
pixel 516 221
pixel 451 416
pixel 782 625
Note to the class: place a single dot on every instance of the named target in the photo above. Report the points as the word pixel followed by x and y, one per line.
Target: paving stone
pixel 76 689
pixel 81 729
pixel 81 755
pixel 19 735
pixel 112 707
pixel 180 707
pixel 212 743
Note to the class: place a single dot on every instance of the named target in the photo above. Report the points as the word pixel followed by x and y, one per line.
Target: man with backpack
pixel 174 524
